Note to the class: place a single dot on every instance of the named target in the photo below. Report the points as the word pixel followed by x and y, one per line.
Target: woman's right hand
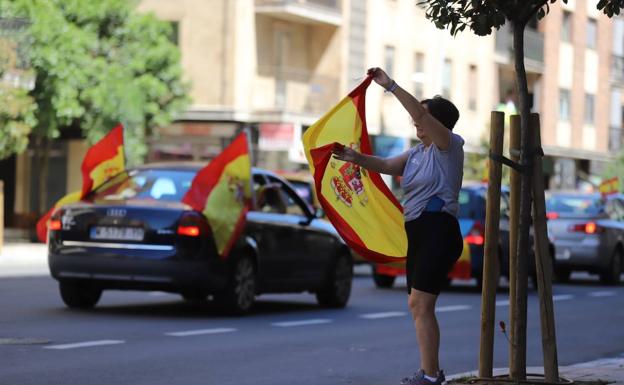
pixel 380 77
pixel 344 153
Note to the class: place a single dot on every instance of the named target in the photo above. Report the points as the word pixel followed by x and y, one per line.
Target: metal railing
pixel 301 90
pixel 533 44
pixel 331 4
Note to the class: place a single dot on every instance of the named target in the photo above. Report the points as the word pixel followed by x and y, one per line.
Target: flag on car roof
pixel 222 192
pixel 103 160
pixel 357 202
pixel 42 223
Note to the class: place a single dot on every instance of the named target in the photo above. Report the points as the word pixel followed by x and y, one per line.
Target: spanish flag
pixel 357 202
pixel 42 223
pixel 222 192
pixel 104 160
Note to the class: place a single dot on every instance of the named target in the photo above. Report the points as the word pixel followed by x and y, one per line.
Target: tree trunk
pixel 518 370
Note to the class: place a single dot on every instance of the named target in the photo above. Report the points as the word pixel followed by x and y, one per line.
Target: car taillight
pixel 476 235
pixel 55 224
pixel 552 215
pixel 190 231
pixel 189 226
pixel 587 228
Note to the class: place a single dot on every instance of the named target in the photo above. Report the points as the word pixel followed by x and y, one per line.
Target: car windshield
pixel 574 204
pixel 468 204
pixel 147 184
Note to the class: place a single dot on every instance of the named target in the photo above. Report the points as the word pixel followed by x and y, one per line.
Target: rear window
pixel 162 185
pixel 576 205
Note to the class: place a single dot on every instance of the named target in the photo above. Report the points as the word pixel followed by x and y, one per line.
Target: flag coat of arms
pixel 357 202
pixel 102 161
pixel 222 192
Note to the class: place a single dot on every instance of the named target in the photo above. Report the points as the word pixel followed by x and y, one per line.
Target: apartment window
pixel 472 87
pixel 564 104
pixel 592 32
pixel 566 27
pixel 174 35
pixel 419 75
pixel 590 105
pixel 447 78
pixel 389 60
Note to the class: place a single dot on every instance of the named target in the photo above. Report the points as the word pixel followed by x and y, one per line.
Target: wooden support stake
pixel 514 216
pixel 543 261
pixel 490 260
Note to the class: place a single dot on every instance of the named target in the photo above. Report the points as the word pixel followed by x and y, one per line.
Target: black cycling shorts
pixel 434 244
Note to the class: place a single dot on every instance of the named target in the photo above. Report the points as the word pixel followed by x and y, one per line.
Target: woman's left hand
pixel 380 77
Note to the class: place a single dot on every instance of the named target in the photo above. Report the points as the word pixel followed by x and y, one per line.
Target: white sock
pixel 432 379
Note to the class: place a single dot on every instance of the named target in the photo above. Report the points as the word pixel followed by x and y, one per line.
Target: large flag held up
pixel 102 161
pixel 222 192
pixel 357 202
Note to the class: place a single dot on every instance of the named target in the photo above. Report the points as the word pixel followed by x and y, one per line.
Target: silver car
pixel 587 231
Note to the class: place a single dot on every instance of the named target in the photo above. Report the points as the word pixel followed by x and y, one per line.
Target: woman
pixel 432 176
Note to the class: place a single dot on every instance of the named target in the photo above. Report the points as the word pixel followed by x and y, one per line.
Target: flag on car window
pixel 42 224
pixel 357 202
pixel 103 160
pixel 221 191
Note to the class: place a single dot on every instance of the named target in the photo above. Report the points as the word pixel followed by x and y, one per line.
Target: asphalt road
pixel 156 338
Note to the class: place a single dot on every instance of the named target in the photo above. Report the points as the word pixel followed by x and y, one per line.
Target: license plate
pixel 117 233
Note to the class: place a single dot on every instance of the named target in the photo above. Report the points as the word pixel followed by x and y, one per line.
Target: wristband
pixel 392 87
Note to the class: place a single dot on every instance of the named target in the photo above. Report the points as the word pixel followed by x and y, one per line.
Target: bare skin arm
pixel 391 166
pixel 435 130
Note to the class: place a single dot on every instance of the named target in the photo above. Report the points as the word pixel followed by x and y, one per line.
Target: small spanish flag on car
pixel 103 160
pixel 357 202
pixel 222 192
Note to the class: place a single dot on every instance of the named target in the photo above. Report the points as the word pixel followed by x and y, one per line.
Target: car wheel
pixel 611 275
pixel 383 281
pixel 337 289
pixel 240 292
pixel 562 274
pixel 79 295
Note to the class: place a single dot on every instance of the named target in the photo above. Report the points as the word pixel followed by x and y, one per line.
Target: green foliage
pixel 100 63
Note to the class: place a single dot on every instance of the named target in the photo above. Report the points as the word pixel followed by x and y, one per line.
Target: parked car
pixel 587 231
pixel 134 233
pixel 471 217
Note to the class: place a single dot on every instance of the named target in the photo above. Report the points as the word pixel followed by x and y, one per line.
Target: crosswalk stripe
pixel 387 314
pixel 301 323
pixel 85 344
pixel 188 333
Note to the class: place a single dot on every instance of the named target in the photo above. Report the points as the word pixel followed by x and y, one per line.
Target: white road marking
pixel 302 322
pixel 443 309
pixel 562 297
pixel 504 302
pixel 85 344
pixel 602 294
pixel 197 332
pixel 158 293
pixel 387 314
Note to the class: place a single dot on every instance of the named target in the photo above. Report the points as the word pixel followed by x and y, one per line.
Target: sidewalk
pixel 23 259
pixel 607 370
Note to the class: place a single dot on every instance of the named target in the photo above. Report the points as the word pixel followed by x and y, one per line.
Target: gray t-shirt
pixel 431 172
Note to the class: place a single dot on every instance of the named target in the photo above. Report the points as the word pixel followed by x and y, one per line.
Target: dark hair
pixel 443 110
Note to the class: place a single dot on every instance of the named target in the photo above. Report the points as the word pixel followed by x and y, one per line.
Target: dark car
pixel 133 233
pixel 588 234
pixel 471 218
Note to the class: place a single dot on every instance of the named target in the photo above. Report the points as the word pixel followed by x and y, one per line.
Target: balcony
pixel 533 48
pixel 294 90
pixel 320 12
pixel 617 69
